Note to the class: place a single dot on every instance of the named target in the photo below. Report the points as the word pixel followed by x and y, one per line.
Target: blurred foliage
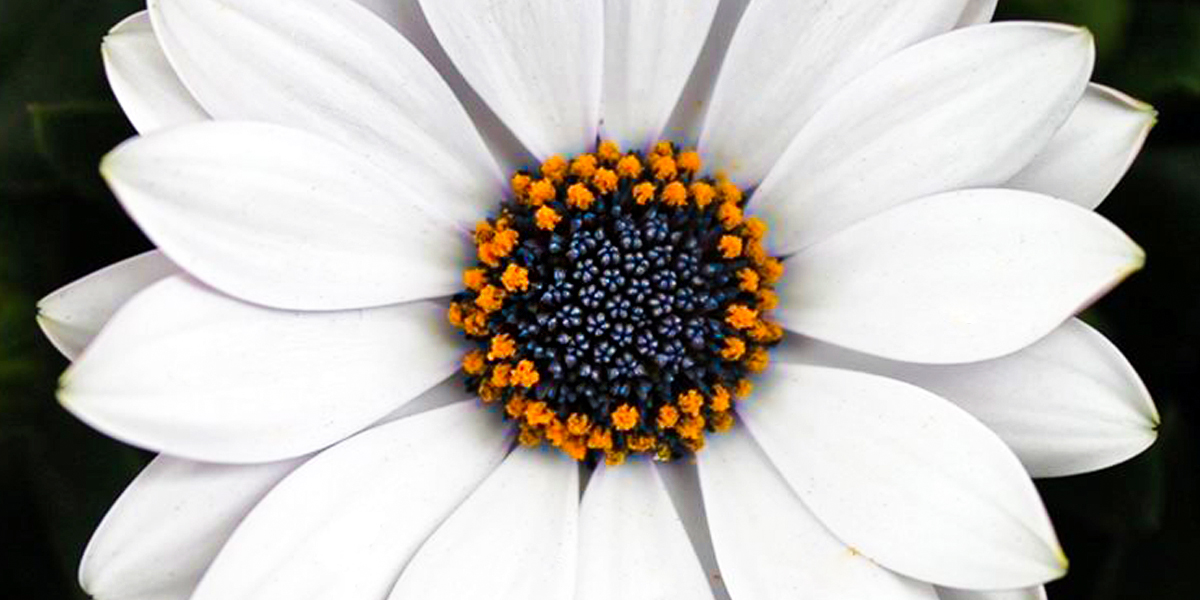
pixel 1130 531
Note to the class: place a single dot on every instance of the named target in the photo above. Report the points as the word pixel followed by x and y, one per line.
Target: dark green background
pixel 1131 531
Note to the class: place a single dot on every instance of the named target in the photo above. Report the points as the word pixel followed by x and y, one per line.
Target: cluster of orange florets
pixel 543 204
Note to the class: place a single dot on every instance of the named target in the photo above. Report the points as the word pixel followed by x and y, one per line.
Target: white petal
pixel 683 486
pixel 345 524
pixel 1068 404
pixel 391 11
pixel 770 545
pixel 284 218
pixel 977 12
pixel 957 277
pixel 969 108
pixel 1033 593
pixel 650 49
pixel 632 544
pixel 789 56
pixel 1092 151
pixel 185 370
pixel 537 63
pixel 73 314
pixel 143 81
pixel 685 122
pixel 514 538
pixel 905 478
pixel 164 531
pixel 333 68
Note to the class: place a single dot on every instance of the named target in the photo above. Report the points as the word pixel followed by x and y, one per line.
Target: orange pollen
pixel 605 180
pixel 584 166
pixel 555 168
pixel 664 169
pixel 490 298
pixel 600 439
pixel 629 167
pixel 455 315
pixel 556 432
pixel 756 228
pixel 730 215
pixel 578 424
pixel 664 148
pixel 744 388
pixel 720 401
pixel 609 152
pixel 734 348
pixel 579 196
pixel 536 413
pixel 689 162
pixel 771 270
pixel 520 184
pixel 516 405
pixel 691 427
pixel 502 346
pixel 730 246
pixel 741 317
pixel 640 443
pixel 614 459
pixel 525 374
pixel 702 193
pixel 667 417
pixel 722 421
pixel 675 194
pixel 515 278
pixel 473 363
pixel 529 437
pixel 547 218
pixel 625 417
pixel 643 192
pixel 488 393
pixel 500 375
pixel 690 402
pixel 758 359
pixel 575 448
pixel 484 232
pixel 768 299
pixel 729 192
pixel 541 192
pixel 749 278
pixel 474 279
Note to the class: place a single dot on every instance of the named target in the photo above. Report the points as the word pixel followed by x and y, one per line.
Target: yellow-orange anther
pixel 743 389
pixel 675 194
pixel 730 215
pixel 516 406
pixel 640 443
pixel 766 332
pixel 476 324
pixel 473 362
pixel 729 192
pixel 578 424
pixel 702 193
pixel 575 448
pixel 625 417
pixel 720 400
pixel 690 402
pixel 722 421
pixel 749 280
pixel 541 192
pixel 664 169
pixel 536 413
pixel 600 439
pixel 629 167
pixel 556 432
pixel 756 228
pixel 490 298
pixel 643 192
pixel 583 166
pixel 520 184
pixel 505 241
pixel 579 196
pixel 689 162
pixel 455 315
pixel 515 278
pixel 609 152
pixel 529 437
pixel 555 168
pixel 499 378
pixel 757 360
pixel 474 279
pixel 695 444
pixel 488 393
pixel 605 180
pixel 768 299
pixel 614 459
pixel 741 316
pixel 667 417
pixel 771 270
pixel 484 232
pixel 502 346
pixel 734 348
pixel 730 246
pixel 755 252
pixel 663 148
pixel 525 374
pixel 691 427
pixel 547 218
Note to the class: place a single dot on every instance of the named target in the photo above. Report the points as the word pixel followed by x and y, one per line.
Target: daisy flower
pixel 461 299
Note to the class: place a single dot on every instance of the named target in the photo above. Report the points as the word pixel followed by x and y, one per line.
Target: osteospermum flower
pixel 415 266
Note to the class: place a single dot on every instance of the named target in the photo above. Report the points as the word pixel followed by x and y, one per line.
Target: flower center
pixel 618 304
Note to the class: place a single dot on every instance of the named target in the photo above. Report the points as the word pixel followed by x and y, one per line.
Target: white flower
pixel 311 171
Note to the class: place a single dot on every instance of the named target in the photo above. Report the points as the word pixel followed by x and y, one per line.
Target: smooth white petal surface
pixel 168 525
pixel 284 218
pixel 770 545
pixel 514 538
pixel 977 12
pixel 73 314
pixel 185 370
pixel 1033 593
pixel 790 56
pixel 650 49
pixel 1091 153
pixel 538 63
pixel 683 486
pixel 905 477
pixel 344 524
pixel 1068 404
pixel 632 544
pixel 148 89
pixel 684 125
pixel 391 11
pixel 957 277
pixel 969 108
pixel 331 67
